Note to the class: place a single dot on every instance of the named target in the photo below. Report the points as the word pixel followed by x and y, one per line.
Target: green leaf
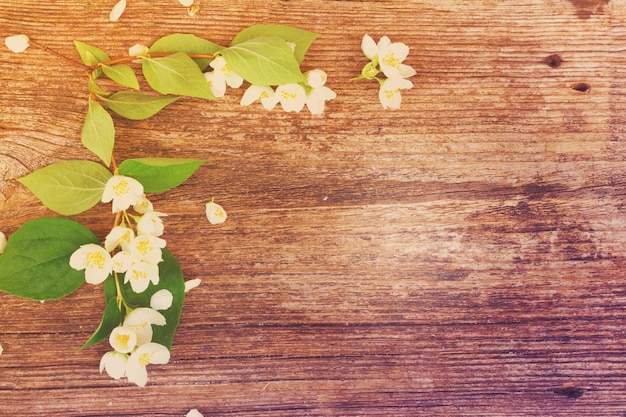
pixel 111 318
pixel 170 278
pixel 176 74
pixel 190 44
pixel 136 106
pixel 122 74
pixel 36 261
pixel 300 37
pixel 264 61
pixel 98 134
pixel 89 54
pixel 159 174
pixel 95 88
pixel 68 187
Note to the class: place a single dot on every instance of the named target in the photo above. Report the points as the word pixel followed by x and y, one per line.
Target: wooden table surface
pixel 461 256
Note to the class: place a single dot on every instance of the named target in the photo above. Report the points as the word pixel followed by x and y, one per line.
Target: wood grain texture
pixel 462 256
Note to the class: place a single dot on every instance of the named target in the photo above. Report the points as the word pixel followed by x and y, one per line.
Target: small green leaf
pixel 111 318
pixel 122 74
pixel 300 37
pixel 69 187
pixel 98 134
pixel 176 74
pixel 264 61
pixel 95 88
pixel 190 44
pixel 89 54
pixel 170 278
pixel 159 174
pixel 36 261
pixel 136 106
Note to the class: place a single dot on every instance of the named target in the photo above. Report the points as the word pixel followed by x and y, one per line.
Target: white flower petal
pixel 186 3
pixel 3 242
pixel 147 248
pixel 315 78
pixel 162 299
pixel 215 213
pixel 368 46
pixel 194 413
pixel 117 11
pixel 143 206
pixel 192 283
pixel 151 224
pixel 17 43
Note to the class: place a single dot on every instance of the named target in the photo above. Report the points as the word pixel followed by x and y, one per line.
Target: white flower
pixel 161 300
pixel 144 355
pixel 123 339
pixel 124 191
pixel 191 284
pixel 114 363
pixel 1 350
pixel 117 10
pixel 144 206
pixel 17 43
pixel 186 3
pixel 151 224
pixel 122 261
pixel 95 260
pixel 318 94
pixel 147 248
pixel 389 93
pixel 215 213
pixel 390 57
pixel 194 413
pixel 140 321
pixel 3 242
pixel 292 97
pixel 140 274
pixel 258 92
pixel 138 50
pixel 218 88
pixel 119 236
pixel 224 73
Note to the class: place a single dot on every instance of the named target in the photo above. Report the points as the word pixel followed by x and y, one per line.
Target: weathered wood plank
pixel 461 256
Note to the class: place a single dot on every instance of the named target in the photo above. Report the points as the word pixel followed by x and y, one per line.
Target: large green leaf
pixel 36 261
pixel 190 44
pixel 68 187
pixel 302 39
pixel 159 174
pixel 111 318
pixel 176 74
pixel 170 278
pixel 136 106
pixel 264 61
pixel 98 134
pixel 122 74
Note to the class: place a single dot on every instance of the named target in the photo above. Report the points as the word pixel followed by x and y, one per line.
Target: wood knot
pixel 553 61
pixel 570 390
pixel 582 87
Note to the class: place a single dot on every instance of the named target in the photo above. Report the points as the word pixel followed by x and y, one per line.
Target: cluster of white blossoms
pixel 292 97
pixel 387 57
pixel 132 344
pixel 120 6
pixel 136 252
